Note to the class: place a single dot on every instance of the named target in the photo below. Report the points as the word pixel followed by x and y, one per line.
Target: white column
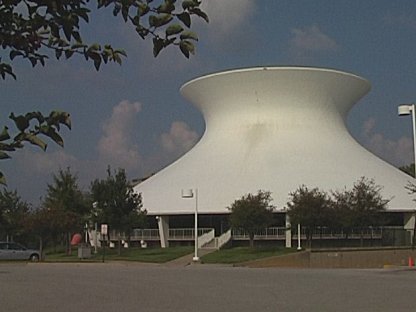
pixel 163 224
pixel 196 258
pixel 409 223
pixel 288 232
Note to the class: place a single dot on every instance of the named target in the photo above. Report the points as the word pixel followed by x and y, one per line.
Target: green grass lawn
pixel 153 255
pixel 242 254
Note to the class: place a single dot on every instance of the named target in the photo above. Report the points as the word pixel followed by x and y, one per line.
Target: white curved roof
pixel 271 128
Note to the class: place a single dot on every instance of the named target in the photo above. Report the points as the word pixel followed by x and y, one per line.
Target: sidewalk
pixel 187 260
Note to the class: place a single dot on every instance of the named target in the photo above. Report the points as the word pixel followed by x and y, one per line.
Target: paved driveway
pixel 151 288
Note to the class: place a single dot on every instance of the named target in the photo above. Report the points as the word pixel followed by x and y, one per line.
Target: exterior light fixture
pixel 404 110
pixel 193 193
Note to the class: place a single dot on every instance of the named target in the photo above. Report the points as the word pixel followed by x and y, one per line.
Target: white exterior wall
pixel 274 129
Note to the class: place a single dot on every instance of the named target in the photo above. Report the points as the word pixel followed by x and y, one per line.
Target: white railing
pixel 268 233
pixel 137 235
pixel 145 234
pixel 223 239
pixel 206 238
pixel 186 234
pixel 327 233
pixel 153 234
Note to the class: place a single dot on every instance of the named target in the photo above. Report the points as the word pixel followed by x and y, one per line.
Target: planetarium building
pixel 274 129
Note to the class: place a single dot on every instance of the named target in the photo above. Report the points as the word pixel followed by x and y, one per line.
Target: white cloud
pixel 116 146
pixel 398 152
pixel 226 16
pixel 179 139
pixel 310 40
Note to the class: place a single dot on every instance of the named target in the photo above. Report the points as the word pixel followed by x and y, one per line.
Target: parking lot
pixel 140 287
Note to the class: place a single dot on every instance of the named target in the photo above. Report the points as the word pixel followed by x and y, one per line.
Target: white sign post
pixel 104 232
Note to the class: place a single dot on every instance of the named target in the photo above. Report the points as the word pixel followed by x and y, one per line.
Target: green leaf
pixel 122 52
pixel 2 179
pixel 116 10
pixel 4 135
pixel 14 53
pixel 166 7
pixel 55 137
pixel 35 115
pixel 59 117
pixel 187 47
pixel 174 29
pixel 83 13
pixel 58 53
pixel 76 36
pixel 158 45
pixel 143 32
pixel 69 53
pixel 160 19
pixel 187 4
pixel 33 139
pixel 185 18
pixel 125 12
pixel 97 63
pixel 200 13
pixel 67 27
pixel 94 47
pixel 142 9
pixel 189 35
pixel 21 122
pixel 4 155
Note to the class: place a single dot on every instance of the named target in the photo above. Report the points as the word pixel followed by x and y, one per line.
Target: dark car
pixel 14 251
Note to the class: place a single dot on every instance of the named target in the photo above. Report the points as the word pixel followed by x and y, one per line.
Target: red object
pixel 411 262
pixel 76 239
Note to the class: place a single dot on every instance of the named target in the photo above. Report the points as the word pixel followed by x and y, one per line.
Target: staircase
pixel 217 242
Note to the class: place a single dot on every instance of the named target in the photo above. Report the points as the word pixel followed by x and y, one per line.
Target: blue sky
pixel 132 116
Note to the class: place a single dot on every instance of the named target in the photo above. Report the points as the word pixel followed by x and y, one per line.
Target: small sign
pixel 104 229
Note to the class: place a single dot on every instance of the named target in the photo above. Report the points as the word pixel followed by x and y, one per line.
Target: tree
pixel 46 225
pixel 360 207
pixel 117 203
pixel 47 126
pixel 252 213
pixel 13 212
pixel 29 28
pixel 310 208
pixel 65 200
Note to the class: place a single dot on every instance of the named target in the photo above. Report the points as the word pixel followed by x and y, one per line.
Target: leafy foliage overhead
pixel 31 127
pixel 31 28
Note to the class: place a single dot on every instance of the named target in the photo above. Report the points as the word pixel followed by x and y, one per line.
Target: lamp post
pixel 405 110
pixel 193 193
pixel 299 246
pixel 95 206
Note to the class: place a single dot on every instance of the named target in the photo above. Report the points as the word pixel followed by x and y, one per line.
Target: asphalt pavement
pixel 155 288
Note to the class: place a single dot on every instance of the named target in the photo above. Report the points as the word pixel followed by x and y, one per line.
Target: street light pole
pixel 193 193
pixel 404 110
pixel 196 258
